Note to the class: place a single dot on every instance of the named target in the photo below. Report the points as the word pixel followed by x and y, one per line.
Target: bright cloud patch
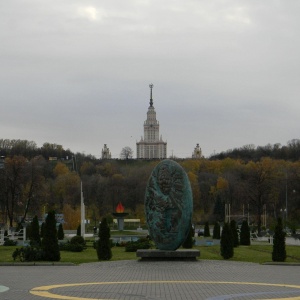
pixel 238 15
pixel 90 13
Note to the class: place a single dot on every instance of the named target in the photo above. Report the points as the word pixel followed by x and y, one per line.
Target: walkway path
pixel 135 280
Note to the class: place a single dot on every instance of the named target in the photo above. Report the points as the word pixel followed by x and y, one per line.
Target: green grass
pixel 90 255
pixel 6 252
pixel 253 253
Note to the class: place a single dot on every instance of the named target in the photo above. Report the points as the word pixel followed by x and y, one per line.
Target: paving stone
pixel 201 279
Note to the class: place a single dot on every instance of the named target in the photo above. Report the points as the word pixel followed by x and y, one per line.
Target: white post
pixel 82 227
pixel 24 234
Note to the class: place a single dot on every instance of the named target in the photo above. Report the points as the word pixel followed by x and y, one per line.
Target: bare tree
pixel 22 182
pixel 126 153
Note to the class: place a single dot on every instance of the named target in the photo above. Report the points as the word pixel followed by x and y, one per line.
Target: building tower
pixel 105 153
pixel 197 152
pixel 151 145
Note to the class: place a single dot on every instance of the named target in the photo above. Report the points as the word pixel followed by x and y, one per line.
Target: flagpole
pixel 82 227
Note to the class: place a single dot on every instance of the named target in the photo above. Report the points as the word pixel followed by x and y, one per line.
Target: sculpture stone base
pixel 154 254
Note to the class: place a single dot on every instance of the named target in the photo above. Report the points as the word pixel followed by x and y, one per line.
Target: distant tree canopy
pixel 249 152
pixel 31 182
pixel 126 153
pixel 29 149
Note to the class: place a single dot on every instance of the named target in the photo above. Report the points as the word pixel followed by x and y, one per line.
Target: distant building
pixel 105 153
pixel 197 152
pixel 151 145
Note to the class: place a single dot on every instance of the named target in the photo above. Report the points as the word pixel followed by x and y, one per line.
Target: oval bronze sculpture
pixel 168 205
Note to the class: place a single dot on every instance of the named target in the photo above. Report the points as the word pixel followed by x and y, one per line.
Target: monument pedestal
pixel 181 254
pixel 120 219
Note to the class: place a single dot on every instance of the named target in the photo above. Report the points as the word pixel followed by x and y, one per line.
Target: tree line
pixel 29 149
pixel 253 189
pixel 291 151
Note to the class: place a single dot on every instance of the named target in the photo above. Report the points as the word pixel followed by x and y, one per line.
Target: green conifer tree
pixel 50 242
pixel 189 241
pixel 35 238
pixel 216 231
pixel 79 230
pixel 245 234
pixel 60 232
pixel 206 229
pixel 103 244
pixel 234 233
pixel 226 243
pixel 42 229
pixel 219 209
pixel 279 252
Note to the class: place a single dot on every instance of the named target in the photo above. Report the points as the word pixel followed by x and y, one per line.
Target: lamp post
pixel 283 211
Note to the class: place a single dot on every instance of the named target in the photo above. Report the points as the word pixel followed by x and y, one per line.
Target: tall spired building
pixel 152 145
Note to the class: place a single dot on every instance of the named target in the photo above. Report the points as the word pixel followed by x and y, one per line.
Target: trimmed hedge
pixel 76 244
pixel 8 242
pixel 28 254
pixel 142 243
pixel 71 247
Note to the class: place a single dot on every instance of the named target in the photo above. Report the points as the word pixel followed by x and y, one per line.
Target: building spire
pixel 151 100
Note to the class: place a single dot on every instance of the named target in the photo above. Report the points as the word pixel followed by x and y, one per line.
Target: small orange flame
pixel 120 208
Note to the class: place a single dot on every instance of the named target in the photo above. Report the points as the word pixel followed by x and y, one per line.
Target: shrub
pixel 76 244
pixel 8 242
pixel 216 231
pixel 28 254
pixel 226 243
pixel 104 244
pixel 245 234
pixel 121 244
pixel 75 247
pixel 142 243
pixel 77 239
pixel 279 252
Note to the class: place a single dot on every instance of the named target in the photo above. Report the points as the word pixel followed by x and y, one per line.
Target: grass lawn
pixel 90 255
pixel 253 253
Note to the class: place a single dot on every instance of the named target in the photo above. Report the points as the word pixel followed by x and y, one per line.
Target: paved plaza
pixel 202 279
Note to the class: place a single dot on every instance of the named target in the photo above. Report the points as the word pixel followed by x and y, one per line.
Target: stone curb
pixel 273 263
pixel 50 264
pixel 17 264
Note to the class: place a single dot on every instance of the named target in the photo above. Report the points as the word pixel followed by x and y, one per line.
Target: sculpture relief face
pixel 168 205
pixel 164 180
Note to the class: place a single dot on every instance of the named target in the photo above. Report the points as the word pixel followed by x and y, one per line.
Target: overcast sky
pixel 77 73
